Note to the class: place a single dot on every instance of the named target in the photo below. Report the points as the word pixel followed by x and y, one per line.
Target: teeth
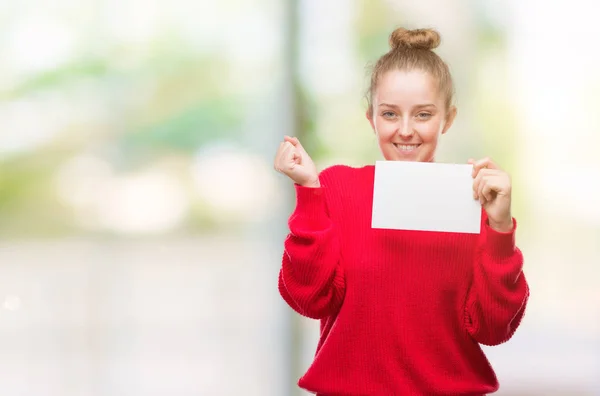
pixel 407 147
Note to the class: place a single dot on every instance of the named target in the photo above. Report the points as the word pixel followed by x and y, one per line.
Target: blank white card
pixel 425 197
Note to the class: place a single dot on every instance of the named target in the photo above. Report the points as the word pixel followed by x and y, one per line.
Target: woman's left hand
pixel 492 187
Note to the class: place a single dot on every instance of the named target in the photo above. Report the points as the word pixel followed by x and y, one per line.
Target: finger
pixel 293 140
pixel 481 176
pixel 491 185
pixel 283 149
pixel 282 146
pixel 480 191
pixel 296 157
pixel 278 156
pixel 477 182
pixel 487 190
pixel 288 153
pixel 296 142
pixel 483 163
pixel 285 156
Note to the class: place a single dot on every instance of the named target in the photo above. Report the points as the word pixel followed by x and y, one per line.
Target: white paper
pixel 425 197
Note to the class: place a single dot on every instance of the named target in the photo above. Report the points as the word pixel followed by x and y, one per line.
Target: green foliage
pixel 187 129
pixel 59 77
pixel 26 207
pixel 164 99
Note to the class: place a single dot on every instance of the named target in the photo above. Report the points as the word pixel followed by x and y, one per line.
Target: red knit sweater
pixel 401 312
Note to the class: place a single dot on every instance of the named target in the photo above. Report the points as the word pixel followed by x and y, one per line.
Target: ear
pixel 449 119
pixel 369 115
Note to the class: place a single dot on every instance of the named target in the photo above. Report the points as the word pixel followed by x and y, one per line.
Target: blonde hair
pixel 410 50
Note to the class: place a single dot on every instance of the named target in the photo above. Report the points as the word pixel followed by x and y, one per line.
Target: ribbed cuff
pixel 500 244
pixel 310 202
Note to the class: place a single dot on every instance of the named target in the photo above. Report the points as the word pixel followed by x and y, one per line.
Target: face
pixel 409 115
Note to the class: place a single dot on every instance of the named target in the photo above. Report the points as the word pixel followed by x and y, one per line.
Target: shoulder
pixel 341 173
pixel 347 190
pixel 344 184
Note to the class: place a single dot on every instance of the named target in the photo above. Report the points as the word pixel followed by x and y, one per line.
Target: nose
pixel 405 130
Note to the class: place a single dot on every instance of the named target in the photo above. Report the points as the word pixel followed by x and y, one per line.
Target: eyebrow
pixel 395 107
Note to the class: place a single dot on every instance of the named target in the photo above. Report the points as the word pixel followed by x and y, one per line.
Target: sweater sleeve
pixel 311 280
pixel 499 292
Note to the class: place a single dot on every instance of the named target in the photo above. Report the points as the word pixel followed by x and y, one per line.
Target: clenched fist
pixel 294 162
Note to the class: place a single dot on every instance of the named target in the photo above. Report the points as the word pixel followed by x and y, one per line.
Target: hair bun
pixel 426 39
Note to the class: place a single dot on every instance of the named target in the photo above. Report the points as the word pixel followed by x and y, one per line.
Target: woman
pixel 401 312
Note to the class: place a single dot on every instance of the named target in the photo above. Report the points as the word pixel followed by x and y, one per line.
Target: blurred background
pixel 142 224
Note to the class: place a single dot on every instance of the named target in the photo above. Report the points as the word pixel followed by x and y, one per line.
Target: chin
pixel 394 155
pixel 409 158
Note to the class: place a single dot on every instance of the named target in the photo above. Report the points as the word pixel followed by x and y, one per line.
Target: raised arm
pixel 311 279
pixel 499 292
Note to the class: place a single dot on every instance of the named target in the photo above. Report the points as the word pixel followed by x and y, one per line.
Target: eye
pixel 388 114
pixel 424 116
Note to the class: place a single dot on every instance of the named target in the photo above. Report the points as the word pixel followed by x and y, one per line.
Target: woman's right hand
pixel 294 162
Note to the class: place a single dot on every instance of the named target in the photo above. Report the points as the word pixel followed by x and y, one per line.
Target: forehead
pixel 407 87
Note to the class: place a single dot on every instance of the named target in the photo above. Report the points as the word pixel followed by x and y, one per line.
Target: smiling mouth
pixel 406 148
